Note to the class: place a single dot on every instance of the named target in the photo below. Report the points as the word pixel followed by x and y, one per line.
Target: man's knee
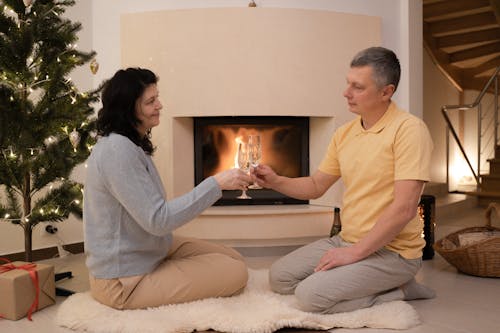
pixel 313 298
pixel 280 280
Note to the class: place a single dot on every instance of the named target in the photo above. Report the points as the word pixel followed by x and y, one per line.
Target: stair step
pixel 485 193
pixel 485 197
pixel 449 204
pixel 494 166
pixel 490 183
pixel 490 176
pixel 485 201
pixel 453 204
pixel 436 189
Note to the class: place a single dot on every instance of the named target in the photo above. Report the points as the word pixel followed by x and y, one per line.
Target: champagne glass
pixel 255 148
pixel 244 165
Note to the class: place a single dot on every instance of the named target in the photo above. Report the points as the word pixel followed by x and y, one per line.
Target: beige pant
pixel 194 269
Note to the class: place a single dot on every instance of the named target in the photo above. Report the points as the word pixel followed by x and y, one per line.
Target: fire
pixel 279 145
pixel 237 142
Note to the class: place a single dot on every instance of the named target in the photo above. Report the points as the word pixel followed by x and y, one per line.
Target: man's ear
pixel 388 91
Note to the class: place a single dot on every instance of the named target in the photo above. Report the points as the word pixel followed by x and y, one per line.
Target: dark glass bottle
pixel 337 225
pixel 426 212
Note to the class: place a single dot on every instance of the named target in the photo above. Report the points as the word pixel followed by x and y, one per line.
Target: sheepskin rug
pixel 256 310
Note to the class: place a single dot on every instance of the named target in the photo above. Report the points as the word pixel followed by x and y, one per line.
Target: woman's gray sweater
pixel 128 223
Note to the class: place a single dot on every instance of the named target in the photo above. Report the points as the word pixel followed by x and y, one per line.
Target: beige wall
pixel 438 91
pixel 240 61
pixel 244 62
pixel 401 31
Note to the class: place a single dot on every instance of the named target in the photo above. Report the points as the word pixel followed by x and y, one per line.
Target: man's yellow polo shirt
pixel 397 147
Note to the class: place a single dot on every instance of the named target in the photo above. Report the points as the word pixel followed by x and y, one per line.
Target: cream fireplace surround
pixel 245 62
pixel 252 225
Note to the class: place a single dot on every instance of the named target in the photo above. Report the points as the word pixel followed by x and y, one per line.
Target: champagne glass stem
pixel 244 195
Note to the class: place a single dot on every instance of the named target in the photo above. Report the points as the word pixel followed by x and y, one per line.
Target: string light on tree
pixel 50 141
pixel 10 153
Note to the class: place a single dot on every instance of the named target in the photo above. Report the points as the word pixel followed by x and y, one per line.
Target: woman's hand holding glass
pixel 232 179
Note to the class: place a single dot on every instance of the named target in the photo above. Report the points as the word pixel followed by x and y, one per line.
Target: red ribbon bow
pixel 30 268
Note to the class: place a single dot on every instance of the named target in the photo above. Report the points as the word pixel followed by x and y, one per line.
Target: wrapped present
pixel 25 288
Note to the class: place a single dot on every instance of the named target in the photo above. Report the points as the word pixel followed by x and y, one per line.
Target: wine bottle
pixel 337 225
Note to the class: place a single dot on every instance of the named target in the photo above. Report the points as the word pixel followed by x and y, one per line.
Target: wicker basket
pixel 481 258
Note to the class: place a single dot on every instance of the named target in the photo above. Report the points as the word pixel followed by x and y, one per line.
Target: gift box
pixel 25 288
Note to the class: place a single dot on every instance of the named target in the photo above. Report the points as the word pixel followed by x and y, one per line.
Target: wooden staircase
pixel 489 188
pixel 463 39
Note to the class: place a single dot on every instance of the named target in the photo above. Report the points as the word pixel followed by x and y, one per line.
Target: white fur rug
pixel 256 310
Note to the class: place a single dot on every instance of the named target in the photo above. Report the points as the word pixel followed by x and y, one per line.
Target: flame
pixel 238 140
pixel 225 140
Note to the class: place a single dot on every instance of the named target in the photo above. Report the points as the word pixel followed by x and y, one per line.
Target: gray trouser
pixel 375 279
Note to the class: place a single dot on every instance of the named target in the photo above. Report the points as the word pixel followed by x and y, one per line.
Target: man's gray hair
pixel 384 62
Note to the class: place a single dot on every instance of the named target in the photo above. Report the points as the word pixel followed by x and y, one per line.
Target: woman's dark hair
pixel 119 98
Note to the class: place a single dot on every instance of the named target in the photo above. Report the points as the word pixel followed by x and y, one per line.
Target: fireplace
pixel 285 148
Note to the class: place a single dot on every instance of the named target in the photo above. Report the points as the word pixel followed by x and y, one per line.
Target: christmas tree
pixel 47 126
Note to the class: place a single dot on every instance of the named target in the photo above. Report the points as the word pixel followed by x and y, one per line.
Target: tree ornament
pixel 94 66
pixel 74 138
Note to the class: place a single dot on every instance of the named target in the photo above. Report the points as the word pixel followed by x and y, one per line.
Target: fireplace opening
pixel 285 148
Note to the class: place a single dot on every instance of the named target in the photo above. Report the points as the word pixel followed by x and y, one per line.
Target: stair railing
pixel 451 129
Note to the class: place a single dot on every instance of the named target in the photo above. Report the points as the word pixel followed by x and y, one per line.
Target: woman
pixel 133 259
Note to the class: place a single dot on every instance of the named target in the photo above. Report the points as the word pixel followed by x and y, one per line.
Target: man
pixel 383 157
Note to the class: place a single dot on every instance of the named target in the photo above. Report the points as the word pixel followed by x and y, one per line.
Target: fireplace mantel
pixel 253 226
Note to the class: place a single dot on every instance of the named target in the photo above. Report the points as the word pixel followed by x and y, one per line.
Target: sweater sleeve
pixel 124 168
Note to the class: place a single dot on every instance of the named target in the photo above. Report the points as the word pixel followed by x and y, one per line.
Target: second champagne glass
pixel 244 165
pixel 255 151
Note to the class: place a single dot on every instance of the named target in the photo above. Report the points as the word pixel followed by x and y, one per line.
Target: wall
pixel 249 66
pixel 401 31
pixel 237 61
pixel 438 91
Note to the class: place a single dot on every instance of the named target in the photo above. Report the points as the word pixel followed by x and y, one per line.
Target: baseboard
pixel 45 253
pixel 266 251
